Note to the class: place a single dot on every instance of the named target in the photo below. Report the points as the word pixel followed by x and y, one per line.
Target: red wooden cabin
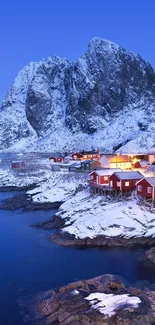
pixel 124 180
pixel 17 164
pixel 86 155
pixel 77 155
pixel 146 187
pixel 56 158
pixel 101 176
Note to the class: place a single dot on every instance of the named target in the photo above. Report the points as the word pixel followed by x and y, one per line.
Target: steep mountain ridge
pixel 105 99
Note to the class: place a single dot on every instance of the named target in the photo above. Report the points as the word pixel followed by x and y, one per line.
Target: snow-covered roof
pixel 106 172
pixel 129 175
pixel 88 161
pixel 77 165
pixel 150 180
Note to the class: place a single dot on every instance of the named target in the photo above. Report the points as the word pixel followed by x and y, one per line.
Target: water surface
pixel 29 263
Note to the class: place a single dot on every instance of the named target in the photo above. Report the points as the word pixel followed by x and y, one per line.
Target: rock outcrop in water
pixel 55 104
pixel 149 258
pixel 103 301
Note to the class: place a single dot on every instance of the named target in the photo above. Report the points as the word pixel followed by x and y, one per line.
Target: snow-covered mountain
pixel 106 99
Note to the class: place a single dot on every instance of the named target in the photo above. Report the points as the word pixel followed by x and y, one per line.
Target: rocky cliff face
pixel 105 99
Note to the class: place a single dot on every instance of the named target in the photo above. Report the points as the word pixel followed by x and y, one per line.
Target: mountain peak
pixel 105 99
pixel 103 43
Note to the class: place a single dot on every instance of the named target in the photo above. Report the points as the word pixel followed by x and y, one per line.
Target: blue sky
pixel 31 30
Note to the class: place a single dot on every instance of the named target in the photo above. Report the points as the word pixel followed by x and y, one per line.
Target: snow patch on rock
pixel 109 304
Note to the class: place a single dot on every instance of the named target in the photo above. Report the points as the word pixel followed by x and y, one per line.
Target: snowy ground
pixel 109 304
pixel 8 178
pixel 90 216
pixel 59 187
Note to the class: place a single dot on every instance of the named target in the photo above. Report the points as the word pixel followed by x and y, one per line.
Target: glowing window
pixel 106 178
pixel 118 184
pixel 126 183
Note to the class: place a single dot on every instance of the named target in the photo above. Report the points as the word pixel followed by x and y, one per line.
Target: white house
pixel 116 161
pixel 151 155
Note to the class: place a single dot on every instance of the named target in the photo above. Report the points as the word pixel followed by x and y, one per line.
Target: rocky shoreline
pixel 18 188
pixel 65 239
pixel 73 305
pixel 25 202
pixel 53 223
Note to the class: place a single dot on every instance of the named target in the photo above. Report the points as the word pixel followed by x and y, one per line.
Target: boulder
pixel 100 301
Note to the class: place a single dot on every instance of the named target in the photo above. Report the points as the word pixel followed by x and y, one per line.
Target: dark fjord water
pixel 29 263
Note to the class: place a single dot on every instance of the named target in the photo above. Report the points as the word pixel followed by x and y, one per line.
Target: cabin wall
pixel 59 159
pixel 56 159
pixel 77 155
pixel 121 165
pixel 144 189
pixel 95 165
pixel 132 184
pixel 93 177
pixel 113 181
pixel 104 179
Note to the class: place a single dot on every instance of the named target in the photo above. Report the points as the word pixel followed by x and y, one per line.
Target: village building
pixel 86 155
pixel 56 158
pixel 75 167
pixel 116 161
pixel 151 155
pixel 139 161
pixel 146 187
pixel 101 177
pixel 124 181
pixel 17 164
pixel 90 164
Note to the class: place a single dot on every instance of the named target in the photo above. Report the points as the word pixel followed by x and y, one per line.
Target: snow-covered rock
pixel 103 100
pixel 59 187
pixel 103 300
pixel 90 216
pixel 10 179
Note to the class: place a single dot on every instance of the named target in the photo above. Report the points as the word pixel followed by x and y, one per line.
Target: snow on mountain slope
pixel 105 99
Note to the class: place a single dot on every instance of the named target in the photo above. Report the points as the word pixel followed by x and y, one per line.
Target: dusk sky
pixel 32 30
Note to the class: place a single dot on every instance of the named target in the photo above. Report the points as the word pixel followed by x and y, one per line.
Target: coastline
pixel 64 239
